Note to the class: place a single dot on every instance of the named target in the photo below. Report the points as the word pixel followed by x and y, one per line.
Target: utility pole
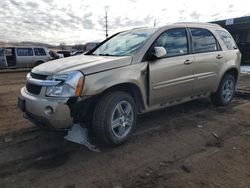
pixel 106 23
pixel 154 22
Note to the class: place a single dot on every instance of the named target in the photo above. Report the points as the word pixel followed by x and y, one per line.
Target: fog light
pixel 48 110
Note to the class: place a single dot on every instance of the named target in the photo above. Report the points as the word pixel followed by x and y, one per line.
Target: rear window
pixel 39 52
pixel 24 52
pixel 204 41
pixel 227 39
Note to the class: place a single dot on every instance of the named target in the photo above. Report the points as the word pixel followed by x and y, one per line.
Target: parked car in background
pixel 24 56
pixel 90 45
pixel 55 55
pixel 130 73
pixel 65 53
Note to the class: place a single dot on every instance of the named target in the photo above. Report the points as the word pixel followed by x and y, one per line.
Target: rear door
pixel 231 51
pixel 171 77
pixel 208 57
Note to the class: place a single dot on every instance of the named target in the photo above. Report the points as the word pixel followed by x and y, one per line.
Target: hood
pixel 85 63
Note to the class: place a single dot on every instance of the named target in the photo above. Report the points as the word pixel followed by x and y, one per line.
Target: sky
pixel 81 21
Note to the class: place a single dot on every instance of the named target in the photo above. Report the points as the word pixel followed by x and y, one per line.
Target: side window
pixel 227 39
pixel 39 52
pixel 8 52
pixel 174 41
pixel 203 40
pixel 24 52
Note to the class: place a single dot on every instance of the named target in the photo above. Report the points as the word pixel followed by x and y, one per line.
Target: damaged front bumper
pixel 46 111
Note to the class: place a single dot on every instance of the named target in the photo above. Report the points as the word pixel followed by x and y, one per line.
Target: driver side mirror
pixel 159 52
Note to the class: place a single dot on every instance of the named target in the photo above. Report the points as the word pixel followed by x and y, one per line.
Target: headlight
pixel 71 85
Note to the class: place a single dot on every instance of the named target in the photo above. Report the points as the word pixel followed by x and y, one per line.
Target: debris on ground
pixel 214 134
pixel 186 168
pixel 8 139
pixel 165 163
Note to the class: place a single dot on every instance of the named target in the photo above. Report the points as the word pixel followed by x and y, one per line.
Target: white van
pixel 23 56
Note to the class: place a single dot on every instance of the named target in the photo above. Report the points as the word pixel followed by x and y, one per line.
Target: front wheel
pixel 225 92
pixel 114 118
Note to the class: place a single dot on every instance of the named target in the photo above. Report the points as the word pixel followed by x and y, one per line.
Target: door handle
pixel 188 62
pixel 219 56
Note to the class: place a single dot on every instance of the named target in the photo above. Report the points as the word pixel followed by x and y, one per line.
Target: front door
pixel 171 77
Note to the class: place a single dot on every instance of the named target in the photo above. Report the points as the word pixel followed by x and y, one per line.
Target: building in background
pixel 240 30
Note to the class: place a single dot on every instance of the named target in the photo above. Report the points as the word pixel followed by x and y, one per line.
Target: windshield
pixel 125 43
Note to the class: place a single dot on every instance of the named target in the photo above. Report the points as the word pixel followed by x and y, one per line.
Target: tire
pixel 112 107
pixel 225 91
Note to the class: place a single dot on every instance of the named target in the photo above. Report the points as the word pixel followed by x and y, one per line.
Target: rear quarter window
pixel 39 52
pixel 24 52
pixel 227 39
pixel 204 41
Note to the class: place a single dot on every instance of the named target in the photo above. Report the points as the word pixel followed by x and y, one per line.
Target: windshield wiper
pixel 105 54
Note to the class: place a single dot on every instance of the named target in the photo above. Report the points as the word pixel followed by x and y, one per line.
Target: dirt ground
pixel 190 145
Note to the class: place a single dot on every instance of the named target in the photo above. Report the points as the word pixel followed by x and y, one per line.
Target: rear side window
pixel 227 39
pixel 174 41
pixel 24 52
pixel 39 52
pixel 203 40
pixel 8 52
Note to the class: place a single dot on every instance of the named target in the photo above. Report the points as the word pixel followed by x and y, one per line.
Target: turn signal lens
pixel 79 86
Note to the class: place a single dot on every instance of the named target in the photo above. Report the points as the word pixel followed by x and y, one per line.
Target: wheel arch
pixel 84 110
pixel 129 88
pixel 231 70
pixel 234 72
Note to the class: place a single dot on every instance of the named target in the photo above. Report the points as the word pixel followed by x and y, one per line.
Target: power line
pixel 154 22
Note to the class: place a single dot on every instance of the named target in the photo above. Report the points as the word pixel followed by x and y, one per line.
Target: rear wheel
pixel 225 92
pixel 114 118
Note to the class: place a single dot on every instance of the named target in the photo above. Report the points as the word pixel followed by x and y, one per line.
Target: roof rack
pixel 200 23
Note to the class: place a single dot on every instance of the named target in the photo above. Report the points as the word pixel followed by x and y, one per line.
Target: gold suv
pixel 130 73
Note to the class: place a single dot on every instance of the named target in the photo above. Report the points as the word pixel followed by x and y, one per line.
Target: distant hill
pixel 26 43
pixel 29 43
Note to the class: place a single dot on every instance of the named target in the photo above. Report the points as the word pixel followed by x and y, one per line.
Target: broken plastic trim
pixel 79 135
